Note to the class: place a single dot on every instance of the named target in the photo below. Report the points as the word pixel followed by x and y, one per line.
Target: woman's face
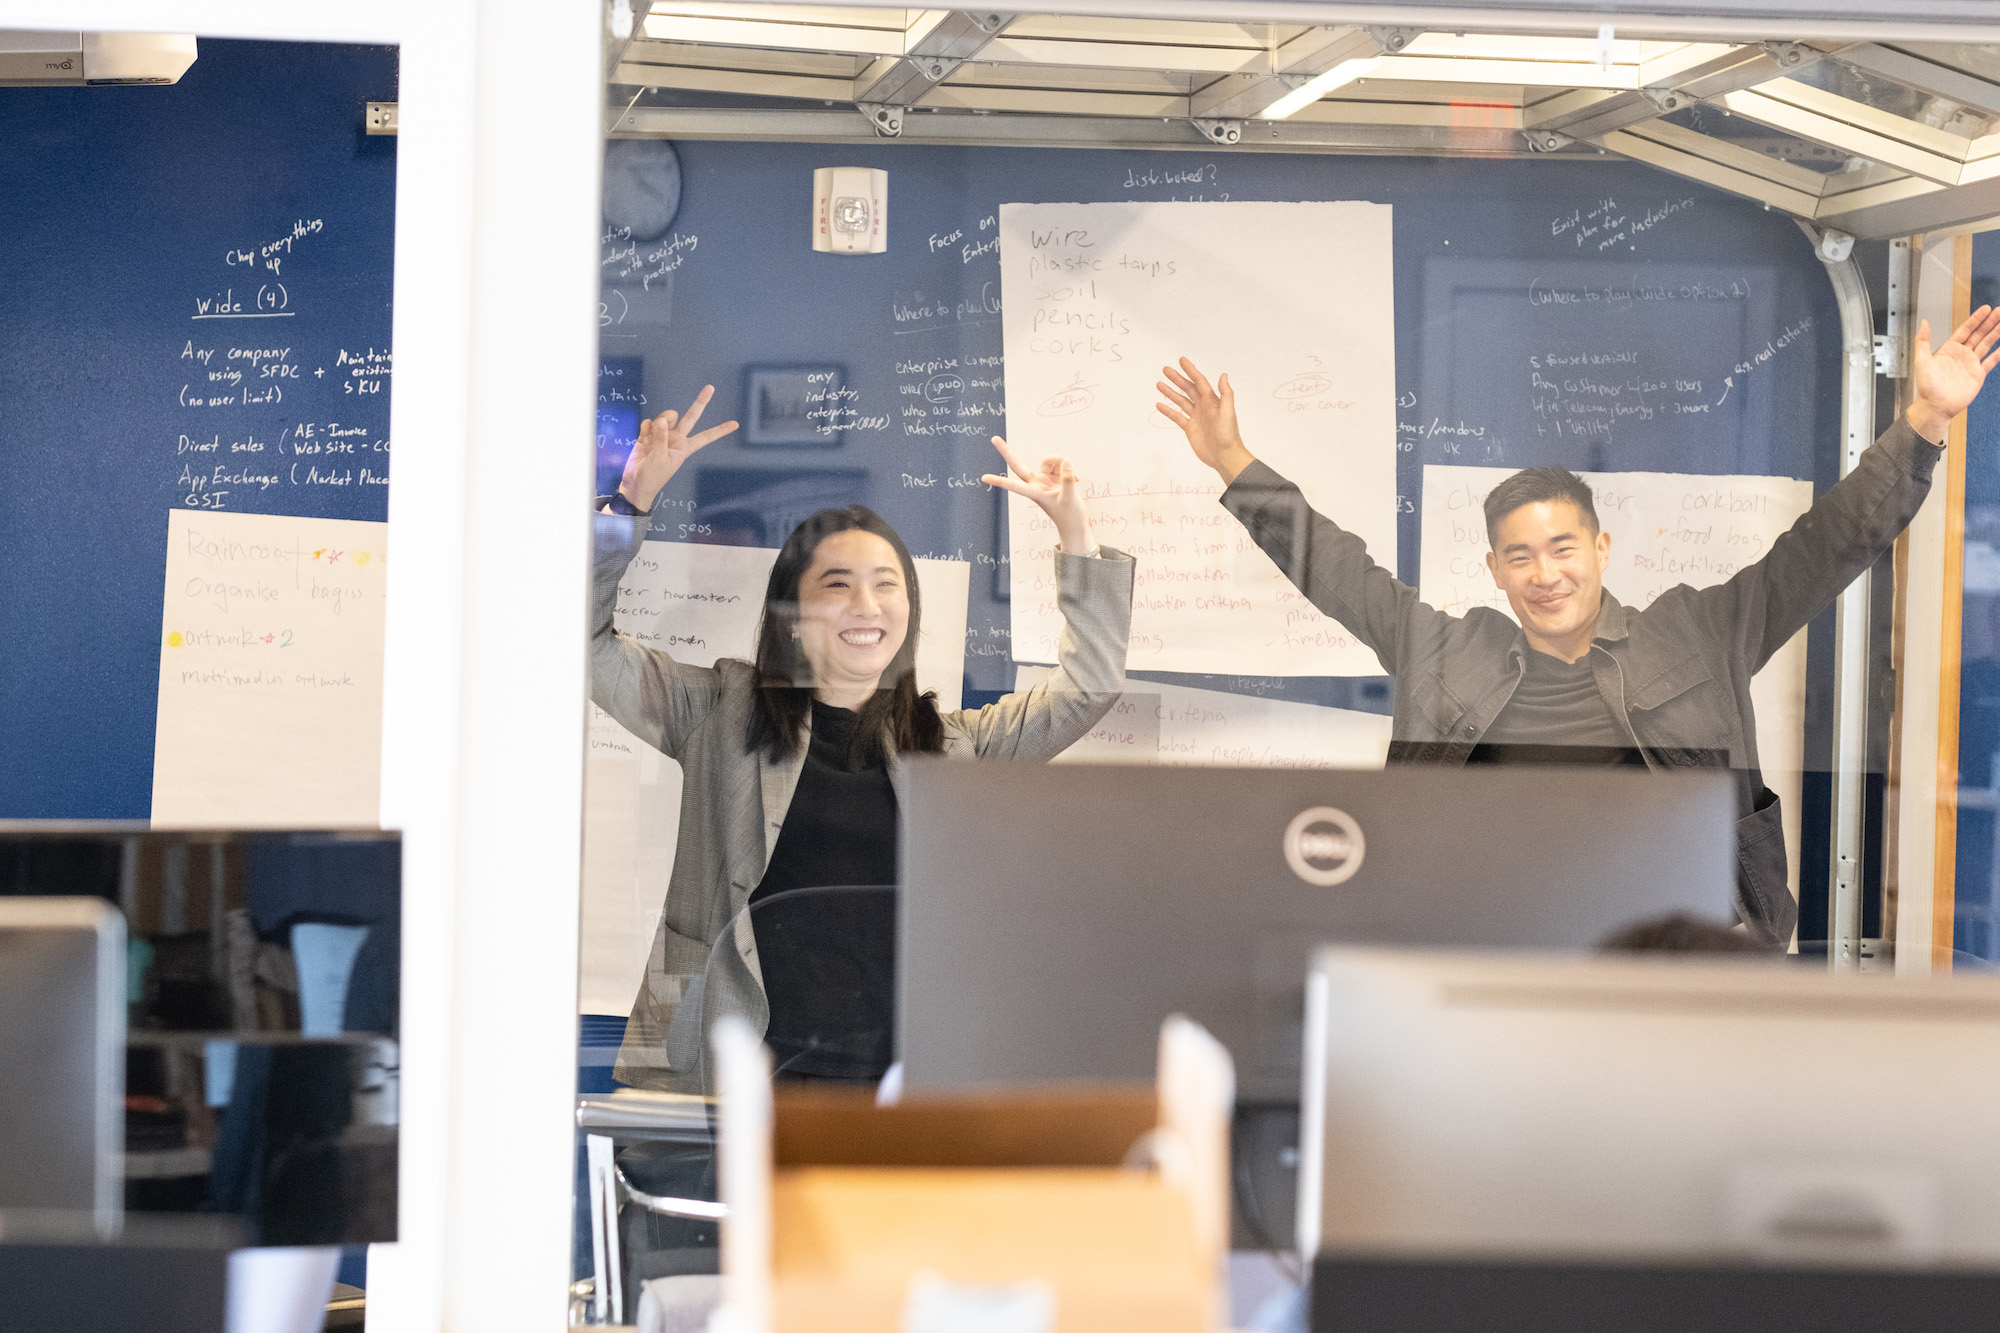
pixel 854 610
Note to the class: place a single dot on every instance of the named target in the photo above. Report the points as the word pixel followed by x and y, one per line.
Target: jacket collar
pixel 1614 621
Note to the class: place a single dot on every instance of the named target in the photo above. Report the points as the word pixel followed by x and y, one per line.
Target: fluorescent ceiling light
pixel 1347 71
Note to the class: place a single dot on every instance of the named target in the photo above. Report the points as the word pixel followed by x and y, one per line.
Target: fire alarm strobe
pixel 851 210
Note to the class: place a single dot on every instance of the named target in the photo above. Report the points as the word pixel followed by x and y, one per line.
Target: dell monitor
pixel 1053 915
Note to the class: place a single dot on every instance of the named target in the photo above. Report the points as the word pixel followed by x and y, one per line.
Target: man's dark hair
pixel 1533 486
pixel 1679 932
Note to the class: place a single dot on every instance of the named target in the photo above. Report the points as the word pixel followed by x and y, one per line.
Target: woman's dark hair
pixel 896 715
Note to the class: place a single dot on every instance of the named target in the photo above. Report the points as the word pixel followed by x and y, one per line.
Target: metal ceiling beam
pixel 614 48
pixel 1745 67
pixel 1818 127
pixel 1669 84
pixel 958 37
pixel 1751 184
pixel 1240 96
pixel 1588 113
pixel 846 126
pixel 1918 212
pixel 1924 75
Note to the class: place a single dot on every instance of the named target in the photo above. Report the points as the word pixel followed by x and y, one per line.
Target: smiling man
pixel 1576 677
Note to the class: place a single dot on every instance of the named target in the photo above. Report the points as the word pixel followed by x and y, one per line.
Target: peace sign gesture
pixel 663 445
pixel 1055 487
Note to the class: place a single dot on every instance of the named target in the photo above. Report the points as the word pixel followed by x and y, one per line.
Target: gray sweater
pixel 734 799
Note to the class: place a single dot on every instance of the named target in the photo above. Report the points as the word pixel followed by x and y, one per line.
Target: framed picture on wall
pixel 793 407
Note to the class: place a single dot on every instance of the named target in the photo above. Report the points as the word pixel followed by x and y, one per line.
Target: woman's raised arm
pixel 657 699
pixel 1094 594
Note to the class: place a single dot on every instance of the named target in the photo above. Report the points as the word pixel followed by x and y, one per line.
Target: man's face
pixel 1551 566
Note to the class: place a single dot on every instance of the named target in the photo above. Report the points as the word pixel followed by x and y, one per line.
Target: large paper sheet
pixel 701 602
pixel 1667 528
pixel 270 697
pixel 698 603
pixel 1295 302
pixel 1154 723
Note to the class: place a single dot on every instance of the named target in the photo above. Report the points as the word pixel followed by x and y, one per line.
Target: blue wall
pixel 123 209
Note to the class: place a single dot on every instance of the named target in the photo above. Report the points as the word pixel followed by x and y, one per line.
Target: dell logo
pixel 1324 846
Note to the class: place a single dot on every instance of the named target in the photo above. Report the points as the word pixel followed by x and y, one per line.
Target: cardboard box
pixel 1100 1209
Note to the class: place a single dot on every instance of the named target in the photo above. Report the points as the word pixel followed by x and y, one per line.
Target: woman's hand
pixel 663 445
pixel 1206 414
pixel 1947 380
pixel 1053 486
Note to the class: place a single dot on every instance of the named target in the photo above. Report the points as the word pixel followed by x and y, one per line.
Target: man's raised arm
pixel 1328 564
pixel 1849 527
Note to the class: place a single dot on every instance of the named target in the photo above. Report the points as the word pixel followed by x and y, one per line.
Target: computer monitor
pixel 1053 915
pixel 1627 1132
pixel 62 1058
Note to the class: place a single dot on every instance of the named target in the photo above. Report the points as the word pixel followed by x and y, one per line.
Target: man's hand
pixel 1947 380
pixel 663 445
pixel 1207 416
pixel 1053 486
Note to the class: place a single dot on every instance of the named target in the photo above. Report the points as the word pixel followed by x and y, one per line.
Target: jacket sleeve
pixel 1328 564
pixel 1831 545
pixel 657 699
pixel 1094 594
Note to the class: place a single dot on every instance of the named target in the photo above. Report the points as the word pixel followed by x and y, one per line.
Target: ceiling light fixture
pixel 1318 86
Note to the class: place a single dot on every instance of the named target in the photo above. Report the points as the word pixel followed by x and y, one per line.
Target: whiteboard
pixel 1178 725
pixel 1295 301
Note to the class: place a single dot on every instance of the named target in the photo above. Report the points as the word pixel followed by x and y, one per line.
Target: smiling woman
pixel 790 761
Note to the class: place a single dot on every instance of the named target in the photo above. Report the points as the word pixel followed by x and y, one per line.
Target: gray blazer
pixel 733 800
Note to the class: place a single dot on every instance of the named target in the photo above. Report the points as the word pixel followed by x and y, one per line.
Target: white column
pixel 537 107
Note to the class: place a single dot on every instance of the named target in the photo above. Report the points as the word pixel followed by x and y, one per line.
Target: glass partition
pixel 1553 370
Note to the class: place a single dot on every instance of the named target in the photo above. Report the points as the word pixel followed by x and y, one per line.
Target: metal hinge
pixel 1546 141
pixel 380 118
pixel 1394 39
pixel 1791 55
pixel 1219 131
pixel 885 117
pixel 1885 355
pixel 1892 348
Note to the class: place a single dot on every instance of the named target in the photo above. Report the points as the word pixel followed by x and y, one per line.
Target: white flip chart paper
pixel 1294 301
pixel 1154 723
pixel 270 696
pixel 698 603
pixel 1667 528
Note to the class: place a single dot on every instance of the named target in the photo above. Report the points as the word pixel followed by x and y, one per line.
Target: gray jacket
pixel 733 799
pixel 1678 671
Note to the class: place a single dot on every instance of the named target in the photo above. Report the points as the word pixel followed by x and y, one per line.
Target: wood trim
pixel 1892 788
pixel 1944 885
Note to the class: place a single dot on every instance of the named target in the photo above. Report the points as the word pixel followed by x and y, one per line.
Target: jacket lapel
pixel 776 781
